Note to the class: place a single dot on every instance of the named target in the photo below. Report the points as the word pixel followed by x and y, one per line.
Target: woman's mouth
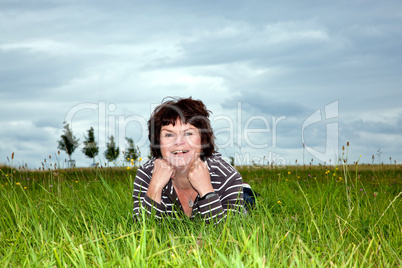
pixel 178 152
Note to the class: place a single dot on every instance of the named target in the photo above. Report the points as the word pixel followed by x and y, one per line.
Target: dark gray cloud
pixel 46 122
pixel 265 103
pixel 27 75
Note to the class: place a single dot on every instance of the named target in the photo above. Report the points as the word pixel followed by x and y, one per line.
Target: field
pixel 306 216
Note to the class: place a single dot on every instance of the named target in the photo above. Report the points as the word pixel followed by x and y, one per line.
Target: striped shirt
pixel 225 179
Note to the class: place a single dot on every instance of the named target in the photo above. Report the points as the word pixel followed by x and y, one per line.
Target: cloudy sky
pixel 275 74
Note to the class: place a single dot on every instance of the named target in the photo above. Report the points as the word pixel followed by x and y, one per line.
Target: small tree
pixel 112 151
pixel 131 152
pixel 91 148
pixel 68 141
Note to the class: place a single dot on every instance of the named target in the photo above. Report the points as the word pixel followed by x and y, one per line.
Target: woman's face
pixel 180 144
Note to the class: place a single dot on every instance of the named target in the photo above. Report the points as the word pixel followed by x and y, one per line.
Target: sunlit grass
pixel 306 216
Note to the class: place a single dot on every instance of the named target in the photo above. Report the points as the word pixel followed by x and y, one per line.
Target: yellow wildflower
pixel 18 183
pixel 128 168
pixel 140 159
pixel 278 202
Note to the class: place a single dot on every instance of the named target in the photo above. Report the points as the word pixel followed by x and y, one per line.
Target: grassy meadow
pixel 306 216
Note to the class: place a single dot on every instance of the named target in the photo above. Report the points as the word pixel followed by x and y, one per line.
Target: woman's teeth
pixel 182 151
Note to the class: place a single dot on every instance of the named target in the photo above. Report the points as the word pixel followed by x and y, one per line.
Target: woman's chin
pixel 181 162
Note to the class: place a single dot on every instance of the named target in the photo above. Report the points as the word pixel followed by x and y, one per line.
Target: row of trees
pixel 69 143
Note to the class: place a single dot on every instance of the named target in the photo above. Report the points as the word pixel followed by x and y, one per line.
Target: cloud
pixel 46 122
pixel 275 58
pixel 267 104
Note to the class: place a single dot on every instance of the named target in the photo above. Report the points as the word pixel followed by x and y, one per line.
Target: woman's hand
pixel 199 178
pixel 161 175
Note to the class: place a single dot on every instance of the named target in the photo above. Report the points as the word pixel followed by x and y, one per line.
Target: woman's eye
pixel 188 133
pixel 167 135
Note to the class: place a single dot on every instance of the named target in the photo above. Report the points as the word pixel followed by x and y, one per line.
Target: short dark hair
pixel 188 111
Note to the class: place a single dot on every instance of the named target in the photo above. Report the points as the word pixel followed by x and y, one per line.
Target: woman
pixel 185 175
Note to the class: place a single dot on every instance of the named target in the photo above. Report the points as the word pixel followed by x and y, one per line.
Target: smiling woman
pixel 180 143
pixel 185 175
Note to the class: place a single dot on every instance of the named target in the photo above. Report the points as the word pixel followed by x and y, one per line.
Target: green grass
pixel 313 216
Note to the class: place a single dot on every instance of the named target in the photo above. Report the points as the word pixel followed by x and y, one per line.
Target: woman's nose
pixel 180 139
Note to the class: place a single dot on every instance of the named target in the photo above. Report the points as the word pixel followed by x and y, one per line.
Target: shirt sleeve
pixel 142 202
pixel 229 196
